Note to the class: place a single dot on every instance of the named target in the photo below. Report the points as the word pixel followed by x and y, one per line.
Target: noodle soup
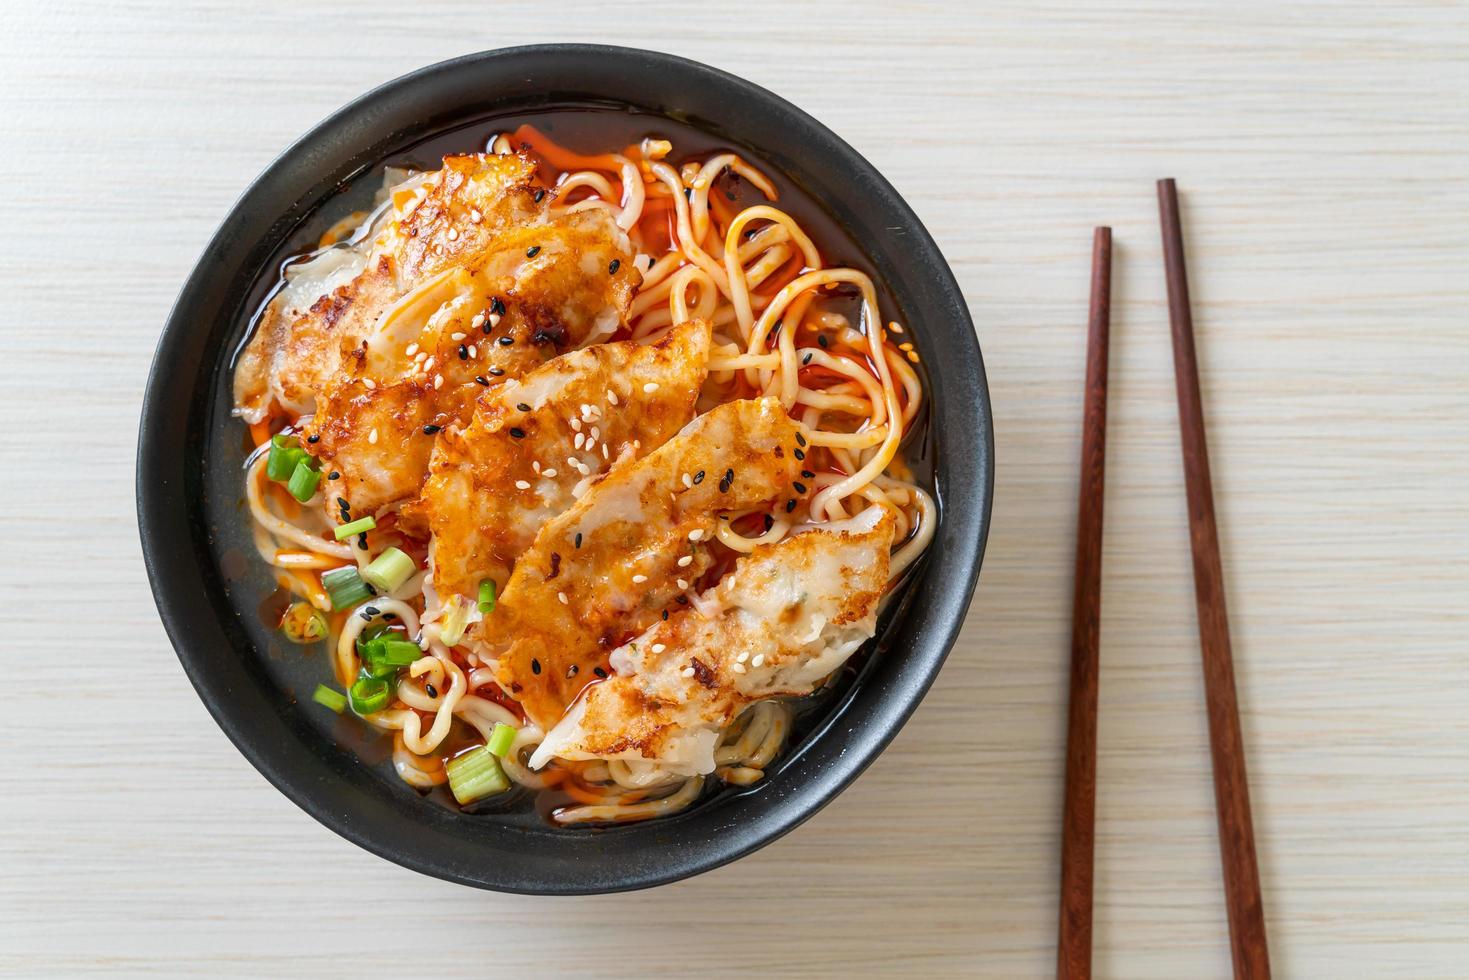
pixel 460 380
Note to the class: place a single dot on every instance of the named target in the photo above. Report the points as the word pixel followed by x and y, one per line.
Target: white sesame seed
pixel 372 437
pixel 477 320
pixel 548 473
pixel 576 424
pixel 586 411
pixel 611 397
pixel 420 356
pixel 475 216
pixel 494 320
pixel 474 350
pixel 685 561
pixel 579 440
pixel 738 668
pixel 687 672
pixel 411 349
pixel 682 584
pixel 688 481
pixel 521 485
pixel 535 464
pixel 650 387
pixel 596 433
pixel 590 443
pixel 438 381
pixel 453 234
pixel 658 648
pixel 369 384
pixel 604 451
pixel 428 365
pixel 759 659
pixel 696 534
pixel 457 335
pixel 639 579
pixel 562 596
pixel 583 468
pixel 742 657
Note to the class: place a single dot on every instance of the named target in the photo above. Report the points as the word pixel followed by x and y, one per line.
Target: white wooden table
pixel 1323 152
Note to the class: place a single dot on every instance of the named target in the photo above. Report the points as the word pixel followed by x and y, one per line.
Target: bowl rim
pixel 162 501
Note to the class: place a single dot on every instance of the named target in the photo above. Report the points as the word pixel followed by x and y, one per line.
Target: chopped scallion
pixel 501 738
pixel 302 624
pixel 285 453
pixel 454 621
pixel 369 695
pixel 329 697
pixel 345 531
pixel 345 586
pixel 389 570
pixel 487 596
pixel 475 775
pixel 304 480
pixel 390 652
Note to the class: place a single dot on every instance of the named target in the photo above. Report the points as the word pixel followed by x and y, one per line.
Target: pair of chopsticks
pixel 1231 791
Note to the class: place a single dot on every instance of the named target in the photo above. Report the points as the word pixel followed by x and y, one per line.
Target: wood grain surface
pixel 1324 149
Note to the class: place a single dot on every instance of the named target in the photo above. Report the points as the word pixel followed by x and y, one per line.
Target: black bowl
pixel 189 480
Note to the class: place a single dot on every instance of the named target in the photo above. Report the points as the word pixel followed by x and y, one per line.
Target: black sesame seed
pixel 485 328
pixel 730 196
pixel 342 503
pixel 362 541
pixel 496 372
pixel 430 429
pixel 314 437
pixel 571 671
pixel 808 474
pixel 807 359
pixel 800 487
pixel 769 522
pixel 612 269
pixel 430 690
pixel 724 484
pixel 522 406
pixel 463 353
pixel 482 380
pixel 533 251
pixel 599 672
pixel 821 339
pixel 497 306
pixel 539 196
pixel 790 506
pixel 683 600
pixel 517 433
pixel 504 342
pixel 535 666
pixel 665 614
pixel 799 454
pixel 699 477
pixel 334 475
pixel 578 539
pixel 800 439
pixel 370 611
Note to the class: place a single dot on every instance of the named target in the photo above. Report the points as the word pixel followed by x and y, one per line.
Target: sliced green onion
pixel 389 570
pixel 302 624
pixel 487 596
pixel 390 652
pixel 475 775
pixel 345 531
pixel 329 697
pixel 303 481
pixel 369 695
pixel 345 587
pixel 501 738
pixel 285 453
pixel 455 621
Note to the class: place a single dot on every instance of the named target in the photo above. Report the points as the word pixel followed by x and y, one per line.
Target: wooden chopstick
pixel 1231 789
pixel 1074 942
